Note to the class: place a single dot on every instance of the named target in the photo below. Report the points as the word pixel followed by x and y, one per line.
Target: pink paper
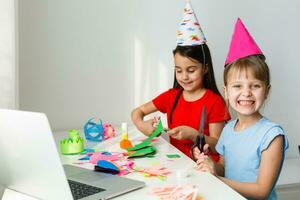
pixel 99 156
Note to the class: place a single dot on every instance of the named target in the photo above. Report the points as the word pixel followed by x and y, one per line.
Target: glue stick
pixel 125 142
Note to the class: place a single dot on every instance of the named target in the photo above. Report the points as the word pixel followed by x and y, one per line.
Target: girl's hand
pixel 206 164
pixel 197 152
pixel 148 126
pixel 183 132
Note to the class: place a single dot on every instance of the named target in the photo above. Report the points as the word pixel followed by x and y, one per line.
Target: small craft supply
pixel 94 131
pixel 107 167
pixel 125 142
pixel 74 144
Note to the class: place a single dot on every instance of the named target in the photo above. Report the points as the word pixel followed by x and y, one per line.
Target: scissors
pixel 200 140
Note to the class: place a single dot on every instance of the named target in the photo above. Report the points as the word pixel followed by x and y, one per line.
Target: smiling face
pixel 246 94
pixel 189 73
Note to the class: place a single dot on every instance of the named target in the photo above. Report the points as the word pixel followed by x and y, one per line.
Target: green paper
pixel 147 141
pixel 143 152
pixel 72 145
pixel 173 155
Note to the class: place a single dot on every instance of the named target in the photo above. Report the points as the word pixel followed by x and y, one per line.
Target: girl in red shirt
pixel 194 87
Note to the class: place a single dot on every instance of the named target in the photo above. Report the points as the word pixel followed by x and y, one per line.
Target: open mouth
pixel 246 102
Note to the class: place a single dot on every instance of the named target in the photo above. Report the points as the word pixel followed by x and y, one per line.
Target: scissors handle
pixel 199 143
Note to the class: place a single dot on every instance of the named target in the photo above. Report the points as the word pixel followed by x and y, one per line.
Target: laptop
pixel 30 163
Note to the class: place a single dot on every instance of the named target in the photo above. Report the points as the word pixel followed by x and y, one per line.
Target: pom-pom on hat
pixel 242 44
pixel 190 32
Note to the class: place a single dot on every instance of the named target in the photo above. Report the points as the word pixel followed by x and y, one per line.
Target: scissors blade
pixel 200 140
pixel 201 129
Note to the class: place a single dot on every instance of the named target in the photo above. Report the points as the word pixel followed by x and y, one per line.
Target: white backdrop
pixel 98 58
pixel 8 70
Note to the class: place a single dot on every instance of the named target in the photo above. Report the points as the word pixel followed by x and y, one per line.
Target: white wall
pixel 8 70
pixel 99 58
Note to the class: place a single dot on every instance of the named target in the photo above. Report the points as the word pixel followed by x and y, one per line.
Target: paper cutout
pixel 180 192
pixel 150 150
pixel 87 150
pixel 147 141
pixel 85 158
pixel 94 131
pixel 153 170
pixel 119 158
pixel 73 144
pixel 100 156
pixel 173 155
pixel 107 167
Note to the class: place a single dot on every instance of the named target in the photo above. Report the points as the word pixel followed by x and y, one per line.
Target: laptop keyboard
pixel 81 190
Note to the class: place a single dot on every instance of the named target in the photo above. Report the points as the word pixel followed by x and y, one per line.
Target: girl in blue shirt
pixel 252 148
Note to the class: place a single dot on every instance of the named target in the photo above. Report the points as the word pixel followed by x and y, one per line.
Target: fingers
pixel 173 132
pixel 201 158
pixel 204 164
pixel 156 121
pixel 206 148
pixel 203 167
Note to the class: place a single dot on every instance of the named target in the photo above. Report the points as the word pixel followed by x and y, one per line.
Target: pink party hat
pixel 190 32
pixel 242 44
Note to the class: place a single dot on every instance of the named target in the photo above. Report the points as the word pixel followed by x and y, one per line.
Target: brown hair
pixel 201 53
pixel 256 63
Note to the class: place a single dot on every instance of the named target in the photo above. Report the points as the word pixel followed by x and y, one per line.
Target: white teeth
pixel 245 103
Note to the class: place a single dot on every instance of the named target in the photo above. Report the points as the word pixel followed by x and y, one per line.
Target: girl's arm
pixel 215 130
pixel 137 117
pixel 186 132
pixel 268 171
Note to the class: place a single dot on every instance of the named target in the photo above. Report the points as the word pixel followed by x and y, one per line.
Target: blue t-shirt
pixel 242 150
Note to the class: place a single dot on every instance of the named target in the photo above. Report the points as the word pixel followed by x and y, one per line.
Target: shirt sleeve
pixel 269 137
pixel 219 111
pixel 220 147
pixel 161 101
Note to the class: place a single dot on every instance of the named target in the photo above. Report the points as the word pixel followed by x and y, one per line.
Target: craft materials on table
pixel 175 155
pixel 144 148
pixel 107 162
pixel 178 192
pixel 125 142
pixel 158 171
pixel 74 144
pixel 98 132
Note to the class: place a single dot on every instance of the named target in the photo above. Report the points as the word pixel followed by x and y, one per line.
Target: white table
pixel 182 171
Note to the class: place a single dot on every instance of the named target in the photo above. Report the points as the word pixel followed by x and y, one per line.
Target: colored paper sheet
pixel 173 155
pixel 147 141
pixel 150 150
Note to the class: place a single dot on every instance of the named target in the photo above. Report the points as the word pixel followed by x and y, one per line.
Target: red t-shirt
pixel 189 114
